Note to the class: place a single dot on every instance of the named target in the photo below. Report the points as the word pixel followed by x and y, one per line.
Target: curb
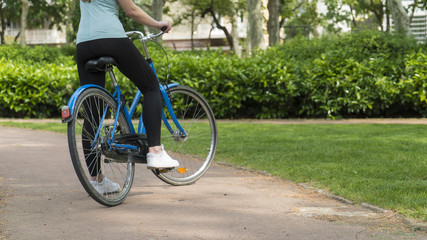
pixel 416 226
pixel 373 208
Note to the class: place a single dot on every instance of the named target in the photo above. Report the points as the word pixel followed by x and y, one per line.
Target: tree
pixel 192 7
pixel 32 13
pixel 216 9
pixel 307 18
pixel 400 17
pixel 235 35
pixel 9 12
pixel 255 18
pixel 362 10
pixel 299 17
pixel 273 23
pixel 421 4
pixel 337 13
pixel 355 13
pixel 157 10
pixel 73 19
pixel 225 8
pixel 373 8
pixel 24 15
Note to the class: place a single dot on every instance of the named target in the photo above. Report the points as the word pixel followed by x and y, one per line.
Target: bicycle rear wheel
pixel 195 151
pixel 87 138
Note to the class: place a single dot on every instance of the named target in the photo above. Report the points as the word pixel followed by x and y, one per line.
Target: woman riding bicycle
pixel 102 34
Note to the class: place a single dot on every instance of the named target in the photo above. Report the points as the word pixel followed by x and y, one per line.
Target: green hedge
pixel 355 75
pixel 364 74
pixel 35 90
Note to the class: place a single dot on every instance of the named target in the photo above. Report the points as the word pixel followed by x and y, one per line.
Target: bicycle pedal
pixel 165 170
pixel 179 170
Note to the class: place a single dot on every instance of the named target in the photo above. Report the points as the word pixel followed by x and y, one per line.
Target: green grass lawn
pixel 384 165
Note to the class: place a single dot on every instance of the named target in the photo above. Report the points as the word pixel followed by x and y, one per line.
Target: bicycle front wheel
pixel 88 132
pixel 195 150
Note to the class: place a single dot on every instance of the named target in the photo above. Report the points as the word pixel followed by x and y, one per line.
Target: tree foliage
pixel 43 13
pixel 370 14
pixel 300 18
pixel 213 9
pixel 9 12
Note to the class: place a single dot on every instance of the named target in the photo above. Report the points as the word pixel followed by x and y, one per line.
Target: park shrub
pixel 34 55
pixel 351 75
pixel 34 90
pixel 363 74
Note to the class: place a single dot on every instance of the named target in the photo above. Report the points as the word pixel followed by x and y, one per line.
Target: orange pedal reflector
pixel 181 170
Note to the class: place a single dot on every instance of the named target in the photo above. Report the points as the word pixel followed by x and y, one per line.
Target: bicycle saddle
pixel 100 64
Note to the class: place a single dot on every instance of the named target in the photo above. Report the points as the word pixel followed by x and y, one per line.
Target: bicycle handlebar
pixel 150 36
pixel 143 39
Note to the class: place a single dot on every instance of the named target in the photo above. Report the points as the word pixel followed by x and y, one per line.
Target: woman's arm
pixel 137 14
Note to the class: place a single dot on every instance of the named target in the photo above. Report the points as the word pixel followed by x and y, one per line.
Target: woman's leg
pixel 92 158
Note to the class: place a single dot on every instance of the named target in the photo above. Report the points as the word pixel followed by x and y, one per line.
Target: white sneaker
pixel 160 161
pixel 106 186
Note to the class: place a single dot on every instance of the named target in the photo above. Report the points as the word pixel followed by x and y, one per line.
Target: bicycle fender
pixel 172 85
pixel 72 101
pixel 164 87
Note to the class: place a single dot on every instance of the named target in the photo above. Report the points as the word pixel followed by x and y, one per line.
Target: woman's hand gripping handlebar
pixel 149 37
pixel 143 39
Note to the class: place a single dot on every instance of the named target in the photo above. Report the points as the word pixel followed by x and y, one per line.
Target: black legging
pixel 133 65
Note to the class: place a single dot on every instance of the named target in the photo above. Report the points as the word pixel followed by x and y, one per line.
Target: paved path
pixel 41 198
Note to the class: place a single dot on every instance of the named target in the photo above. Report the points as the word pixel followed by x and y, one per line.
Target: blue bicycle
pixel 115 145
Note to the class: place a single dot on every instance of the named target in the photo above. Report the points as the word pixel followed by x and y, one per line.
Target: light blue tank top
pixel 99 19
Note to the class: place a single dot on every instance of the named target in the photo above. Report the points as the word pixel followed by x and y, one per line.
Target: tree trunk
pixel 248 38
pixel 255 24
pixel 157 12
pixel 223 28
pixel 16 37
pixel 235 36
pixel 192 30
pixel 274 11
pixel 378 13
pixel 24 15
pixel 3 24
pixel 387 17
pixel 399 16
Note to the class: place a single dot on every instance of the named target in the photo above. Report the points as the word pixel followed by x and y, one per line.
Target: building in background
pixel 43 36
pixel 418 24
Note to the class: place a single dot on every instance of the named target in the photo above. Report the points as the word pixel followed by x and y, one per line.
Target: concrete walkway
pixel 41 198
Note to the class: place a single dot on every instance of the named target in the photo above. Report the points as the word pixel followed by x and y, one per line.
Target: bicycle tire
pixel 89 108
pixel 196 151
